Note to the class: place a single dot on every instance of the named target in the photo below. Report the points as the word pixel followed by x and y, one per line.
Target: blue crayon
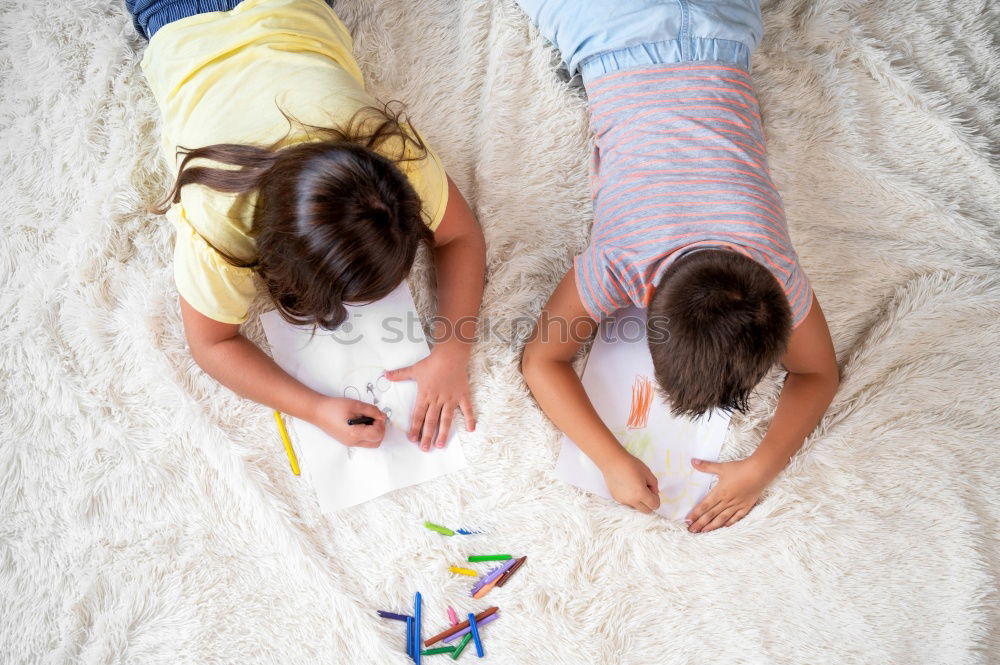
pixel 475 635
pixel 409 636
pixel 416 628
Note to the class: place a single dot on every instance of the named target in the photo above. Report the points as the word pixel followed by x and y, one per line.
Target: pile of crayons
pixel 496 577
pixel 467 630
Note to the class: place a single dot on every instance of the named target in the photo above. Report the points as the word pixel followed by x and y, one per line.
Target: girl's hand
pixel 737 491
pixel 442 386
pixel 632 483
pixel 332 414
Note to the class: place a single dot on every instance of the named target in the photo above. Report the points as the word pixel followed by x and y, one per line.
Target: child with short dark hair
pixel 292 176
pixel 688 224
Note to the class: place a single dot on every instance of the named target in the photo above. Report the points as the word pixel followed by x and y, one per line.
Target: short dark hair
pixel 334 221
pixel 727 322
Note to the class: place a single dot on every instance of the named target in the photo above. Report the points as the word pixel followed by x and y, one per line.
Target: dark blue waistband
pixel 151 15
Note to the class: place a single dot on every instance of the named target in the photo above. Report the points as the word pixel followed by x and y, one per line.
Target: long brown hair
pixel 334 221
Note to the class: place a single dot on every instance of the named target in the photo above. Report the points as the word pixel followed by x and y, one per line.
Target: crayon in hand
pixel 361 420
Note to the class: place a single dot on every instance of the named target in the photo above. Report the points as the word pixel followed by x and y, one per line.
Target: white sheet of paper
pixel 349 362
pixel 618 359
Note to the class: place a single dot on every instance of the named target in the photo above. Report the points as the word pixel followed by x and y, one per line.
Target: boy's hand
pixel 332 414
pixel 442 386
pixel 632 483
pixel 737 491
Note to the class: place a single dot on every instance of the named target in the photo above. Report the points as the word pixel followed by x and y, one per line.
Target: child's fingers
pixel 401 374
pixel 642 507
pixel 447 414
pixel 705 466
pixel 706 515
pixel 365 409
pixel 653 485
pixel 367 436
pixel 721 519
pixel 470 417
pixel 710 499
pixel 737 516
pixel 707 518
pixel 374 432
pixel 652 498
pixel 430 426
pixel 417 420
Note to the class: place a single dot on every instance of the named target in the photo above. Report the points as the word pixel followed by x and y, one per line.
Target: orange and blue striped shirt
pixel 680 164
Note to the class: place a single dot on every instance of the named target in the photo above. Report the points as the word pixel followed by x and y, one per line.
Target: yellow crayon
pixel 288 443
pixel 463 571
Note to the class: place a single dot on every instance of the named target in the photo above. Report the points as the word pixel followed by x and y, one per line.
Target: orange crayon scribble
pixel 642 400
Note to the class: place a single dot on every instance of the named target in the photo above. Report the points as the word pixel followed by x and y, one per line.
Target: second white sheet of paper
pixel 349 362
pixel 665 443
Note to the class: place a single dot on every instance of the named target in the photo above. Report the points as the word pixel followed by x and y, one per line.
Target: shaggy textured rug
pixel 148 515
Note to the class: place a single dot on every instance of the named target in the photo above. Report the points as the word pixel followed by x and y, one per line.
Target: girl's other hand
pixel 442 386
pixel 332 414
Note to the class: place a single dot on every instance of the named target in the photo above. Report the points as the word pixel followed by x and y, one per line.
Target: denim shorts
pixel 597 37
pixel 151 15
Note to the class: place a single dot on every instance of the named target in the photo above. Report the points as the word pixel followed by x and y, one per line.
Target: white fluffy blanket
pixel 148 515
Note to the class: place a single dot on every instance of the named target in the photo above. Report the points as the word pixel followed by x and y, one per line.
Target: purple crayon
pixel 464 631
pixel 392 615
pixel 492 575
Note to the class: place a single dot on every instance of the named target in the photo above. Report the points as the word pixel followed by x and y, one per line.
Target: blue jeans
pixel 151 15
pixel 598 37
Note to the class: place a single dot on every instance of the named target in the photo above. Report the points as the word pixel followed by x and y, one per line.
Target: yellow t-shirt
pixel 220 77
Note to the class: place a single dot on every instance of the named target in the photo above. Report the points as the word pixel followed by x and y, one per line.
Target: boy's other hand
pixel 631 482
pixel 737 491
pixel 332 414
pixel 442 386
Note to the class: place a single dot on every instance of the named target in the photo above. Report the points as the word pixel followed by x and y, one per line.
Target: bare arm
pixel 811 383
pixel 563 327
pixel 442 378
pixel 238 364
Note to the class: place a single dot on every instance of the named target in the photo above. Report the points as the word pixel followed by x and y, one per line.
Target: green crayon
pixel 443 530
pixel 461 646
pixel 490 557
pixel 434 652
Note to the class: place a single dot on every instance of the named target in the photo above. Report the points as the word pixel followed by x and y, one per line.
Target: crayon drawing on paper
pixel 351 363
pixel 618 380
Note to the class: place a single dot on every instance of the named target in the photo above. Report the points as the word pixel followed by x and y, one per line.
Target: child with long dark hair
pixel 292 178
